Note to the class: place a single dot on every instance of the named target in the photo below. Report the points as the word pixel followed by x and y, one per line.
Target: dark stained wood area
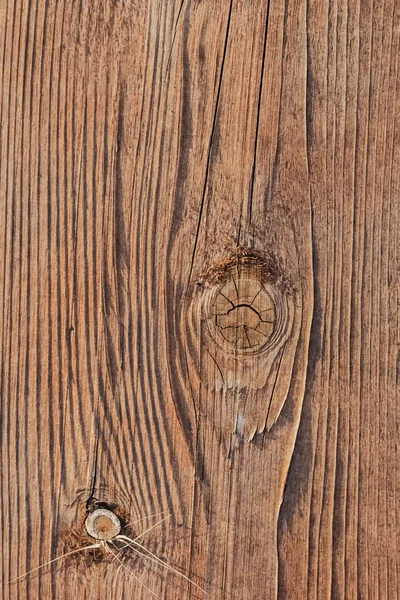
pixel 199 299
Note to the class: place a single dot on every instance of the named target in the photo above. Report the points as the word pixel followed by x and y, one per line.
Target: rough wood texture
pixel 154 154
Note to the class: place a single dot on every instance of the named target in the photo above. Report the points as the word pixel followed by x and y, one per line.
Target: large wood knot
pixel 245 308
pixel 250 318
pixel 242 314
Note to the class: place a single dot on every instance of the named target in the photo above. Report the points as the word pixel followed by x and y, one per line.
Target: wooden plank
pixel 338 522
pixel 189 189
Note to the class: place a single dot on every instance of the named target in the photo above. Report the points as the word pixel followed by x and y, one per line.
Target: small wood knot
pixel 103 524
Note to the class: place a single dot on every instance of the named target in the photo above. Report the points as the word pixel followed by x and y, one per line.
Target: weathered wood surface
pixel 146 148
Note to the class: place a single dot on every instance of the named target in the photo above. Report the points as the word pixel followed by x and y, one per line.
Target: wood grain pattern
pixel 148 148
pixel 339 523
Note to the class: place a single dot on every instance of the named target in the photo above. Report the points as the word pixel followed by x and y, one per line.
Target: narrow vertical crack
pixel 211 140
pixel 253 173
pixel 174 35
pixel 94 472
